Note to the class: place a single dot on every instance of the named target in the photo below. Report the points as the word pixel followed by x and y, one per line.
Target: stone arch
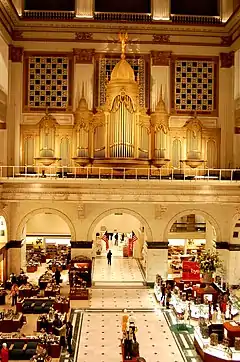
pixel 207 216
pixel 32 213
pixel 120 210
pixel 4 214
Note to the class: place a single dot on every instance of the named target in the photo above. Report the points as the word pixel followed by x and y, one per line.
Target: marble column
pixel 226 9
pixel 14 106
pixel 83 76
pixel 84 8
pixel 156 260
pixel 226 109
pixel 83 248
pixel 223 251
pixel 13 248
pixel 237 108
pixel 161 9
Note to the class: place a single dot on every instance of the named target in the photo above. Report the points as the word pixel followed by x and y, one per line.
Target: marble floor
pixel 97 321
pixel 122 270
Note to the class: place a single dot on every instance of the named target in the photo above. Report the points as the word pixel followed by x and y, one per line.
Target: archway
pixel 3 241
pixel 46 236
pixel 188 234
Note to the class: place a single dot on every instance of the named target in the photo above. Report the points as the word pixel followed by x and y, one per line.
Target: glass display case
pixel 220 351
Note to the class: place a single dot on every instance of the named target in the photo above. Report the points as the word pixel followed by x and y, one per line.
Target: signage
pixel 191 271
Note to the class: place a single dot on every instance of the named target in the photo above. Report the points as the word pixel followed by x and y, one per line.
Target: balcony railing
pixel 179 227
pixel 133 17
pixel 118 173
pixel 195 19
pixel 48 15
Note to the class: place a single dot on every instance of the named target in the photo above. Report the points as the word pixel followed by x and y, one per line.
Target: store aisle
pixel 100 337
pixel 121 270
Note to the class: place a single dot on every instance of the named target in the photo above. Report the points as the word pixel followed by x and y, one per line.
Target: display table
pixel 27 291
pixel 233 330
pixel 12 324
pixel 32 268
pixel 77 293
pixel 134 359
pixel 51 290
pixel 210 353
pixel 62 307
pixel 63 318
pixel 202 293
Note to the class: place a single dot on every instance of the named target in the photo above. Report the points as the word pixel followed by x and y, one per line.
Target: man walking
pixel 109 257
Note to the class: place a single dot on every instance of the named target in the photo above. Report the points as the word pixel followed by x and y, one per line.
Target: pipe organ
pixel 121 132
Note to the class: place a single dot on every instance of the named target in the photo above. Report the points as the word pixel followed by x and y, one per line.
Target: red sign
pixel 191 271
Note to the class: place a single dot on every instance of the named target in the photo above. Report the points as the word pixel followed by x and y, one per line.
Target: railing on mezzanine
pixel 117 173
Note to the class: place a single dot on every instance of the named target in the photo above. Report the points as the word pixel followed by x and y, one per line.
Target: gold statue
pixel 123 38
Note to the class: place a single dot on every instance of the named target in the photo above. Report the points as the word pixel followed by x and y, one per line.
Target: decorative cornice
pixel 14 244
pixel 82 36
pixel 161 39
pixel 157 244
pixel 161 58
pixel 83 56
pixel 227 60
pixel 15 54
pixel 81 244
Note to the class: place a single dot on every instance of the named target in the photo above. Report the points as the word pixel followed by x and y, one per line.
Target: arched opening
pixel 125 231
pixel 188 235
pixel 120 229
pixel 46 236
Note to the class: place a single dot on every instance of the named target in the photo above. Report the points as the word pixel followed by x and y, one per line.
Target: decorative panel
pixel 47 82
pixel 103 70
pixel 194 85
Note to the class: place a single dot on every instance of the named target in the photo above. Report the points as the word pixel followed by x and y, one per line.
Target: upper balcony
pixel 54 172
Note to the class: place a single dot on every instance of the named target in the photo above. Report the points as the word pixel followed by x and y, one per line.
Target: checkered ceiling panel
pixel 194 85
pixel 48 82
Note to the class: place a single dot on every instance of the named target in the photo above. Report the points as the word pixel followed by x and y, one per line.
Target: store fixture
pixel 80 277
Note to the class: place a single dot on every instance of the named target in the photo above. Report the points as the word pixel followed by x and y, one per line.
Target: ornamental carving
pixel 17 35
pixel 227 59
pixel 15 54
pixel 83 56
pixel 81 36
pixel 160 211
pixel 161 39
pixel 226 40
pixel 81 211
pixel 161 58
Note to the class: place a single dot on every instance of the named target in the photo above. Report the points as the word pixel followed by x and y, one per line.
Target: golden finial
pixel 123 38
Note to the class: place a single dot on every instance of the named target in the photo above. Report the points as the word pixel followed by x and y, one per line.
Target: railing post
pixel 13 171
pixel 25 171
pixel 208 174
pixel 99 173
pixel 111 173
pixel 160 174
pixel 220 175
pixel 1 171
pixel 148 174
pixel 231 175
pixel 87 173
pixel 172 173
pixel 124 170
pixel 75 172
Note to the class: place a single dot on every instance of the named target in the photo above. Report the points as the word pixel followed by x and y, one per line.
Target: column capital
pixel 157 244
pixel 81 244
pixel 161 58
pixel 83 56
pixel 227 59
pixel 15 54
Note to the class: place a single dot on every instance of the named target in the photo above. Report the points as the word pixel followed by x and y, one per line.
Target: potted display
pixel 209 262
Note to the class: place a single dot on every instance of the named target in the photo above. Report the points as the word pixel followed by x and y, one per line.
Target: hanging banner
pixel 130 247
pixel 190 271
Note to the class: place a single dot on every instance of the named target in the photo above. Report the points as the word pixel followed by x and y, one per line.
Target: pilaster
pixel 84 8
pixel 14 107
pixel 157 260
pixel 83 75
pixel 226 108
pixel 160 73
pixel 226 9
pixel 160 9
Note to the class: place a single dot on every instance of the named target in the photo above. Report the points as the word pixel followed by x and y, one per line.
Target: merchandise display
pixel 208 351
pixel 80 277
pixel 28 290
pixel 45 321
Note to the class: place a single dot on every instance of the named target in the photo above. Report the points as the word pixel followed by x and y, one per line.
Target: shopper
pixel 4 353
pixel 62 334
pixel 69 336
pixel 57 324
pixel 163 294
pixel 109 257
pixel 14 294
pixel 57 276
